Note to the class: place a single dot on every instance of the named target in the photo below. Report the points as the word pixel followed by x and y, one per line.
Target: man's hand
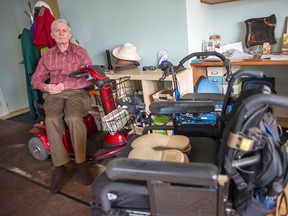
pixel 53 88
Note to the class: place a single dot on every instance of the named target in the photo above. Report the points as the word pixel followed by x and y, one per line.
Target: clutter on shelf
pixel 165 94
pixel 216 40
pixel 126 56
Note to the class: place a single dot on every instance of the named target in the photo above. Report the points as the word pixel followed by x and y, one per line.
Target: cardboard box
pixel 165 94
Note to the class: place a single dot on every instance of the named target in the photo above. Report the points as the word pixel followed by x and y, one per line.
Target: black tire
pixel 37 149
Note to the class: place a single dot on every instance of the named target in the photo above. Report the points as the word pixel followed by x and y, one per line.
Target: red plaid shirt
pixel 56 66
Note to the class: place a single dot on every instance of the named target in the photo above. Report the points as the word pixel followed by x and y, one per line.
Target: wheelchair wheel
pixel 37 149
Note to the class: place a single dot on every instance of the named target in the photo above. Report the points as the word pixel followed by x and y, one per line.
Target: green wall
pixel 150 25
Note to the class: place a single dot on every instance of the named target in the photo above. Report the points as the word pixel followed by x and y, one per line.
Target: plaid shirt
pixel 56 66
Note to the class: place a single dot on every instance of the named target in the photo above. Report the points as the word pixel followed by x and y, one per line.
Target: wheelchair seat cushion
pixel 148 153
pixel 163 141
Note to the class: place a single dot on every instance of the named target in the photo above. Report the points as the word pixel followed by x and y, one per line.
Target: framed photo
pixel 285 39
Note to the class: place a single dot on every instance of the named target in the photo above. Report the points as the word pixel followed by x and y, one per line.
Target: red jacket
pixel 42 36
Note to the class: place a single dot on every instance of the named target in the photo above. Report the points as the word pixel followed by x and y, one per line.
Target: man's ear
pixel 52 35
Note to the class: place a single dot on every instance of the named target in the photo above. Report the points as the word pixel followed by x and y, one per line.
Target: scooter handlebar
pixel 79 74
pixel 92 72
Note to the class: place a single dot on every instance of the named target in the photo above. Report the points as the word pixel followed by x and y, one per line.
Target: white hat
pixel 127 52
pixel 40 4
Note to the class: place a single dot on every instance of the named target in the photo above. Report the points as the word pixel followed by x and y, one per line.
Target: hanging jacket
pixel 42 36
pixel 31 58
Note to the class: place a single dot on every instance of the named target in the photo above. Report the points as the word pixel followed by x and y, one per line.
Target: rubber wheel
pixel 37 149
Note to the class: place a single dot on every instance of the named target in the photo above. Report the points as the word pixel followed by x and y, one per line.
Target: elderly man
pixel 66 101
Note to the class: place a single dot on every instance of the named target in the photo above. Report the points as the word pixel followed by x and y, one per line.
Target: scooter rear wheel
pixel 37 149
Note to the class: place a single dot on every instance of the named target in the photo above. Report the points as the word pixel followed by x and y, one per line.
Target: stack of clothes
pixel 127 57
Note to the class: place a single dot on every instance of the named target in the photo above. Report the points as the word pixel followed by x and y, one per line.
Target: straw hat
pixel 127 52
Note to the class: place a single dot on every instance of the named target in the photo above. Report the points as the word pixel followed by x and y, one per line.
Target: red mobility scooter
pixel 100 144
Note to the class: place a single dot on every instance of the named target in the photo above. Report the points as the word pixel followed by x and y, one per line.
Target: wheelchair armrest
pixel 197 174
pixel 216 98
pixel 177 107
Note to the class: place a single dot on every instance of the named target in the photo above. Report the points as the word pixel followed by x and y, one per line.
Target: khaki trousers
pixel 66 107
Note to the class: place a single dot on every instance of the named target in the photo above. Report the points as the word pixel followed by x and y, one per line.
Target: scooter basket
pixel 123 89
pixel 116 120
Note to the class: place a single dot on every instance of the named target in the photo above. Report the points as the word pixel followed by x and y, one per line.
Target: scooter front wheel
pixel 37 149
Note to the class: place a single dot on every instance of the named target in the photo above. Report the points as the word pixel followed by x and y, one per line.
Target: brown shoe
pixel 57 179
pixel 85 177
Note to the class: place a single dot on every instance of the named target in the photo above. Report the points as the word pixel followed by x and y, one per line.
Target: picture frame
pixel 285 38
pixel 260 30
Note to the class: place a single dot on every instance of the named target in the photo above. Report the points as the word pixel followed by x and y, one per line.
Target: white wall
pixel 198 24
pixel 228 19
pixel 12 81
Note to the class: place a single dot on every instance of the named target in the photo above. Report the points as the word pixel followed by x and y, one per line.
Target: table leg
pixel 149 87
pixel 198 72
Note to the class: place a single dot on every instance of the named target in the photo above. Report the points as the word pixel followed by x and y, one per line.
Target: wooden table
pixel 200 68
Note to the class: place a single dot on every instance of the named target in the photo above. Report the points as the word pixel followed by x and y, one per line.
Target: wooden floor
pixel 84 207
pixel 25 182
